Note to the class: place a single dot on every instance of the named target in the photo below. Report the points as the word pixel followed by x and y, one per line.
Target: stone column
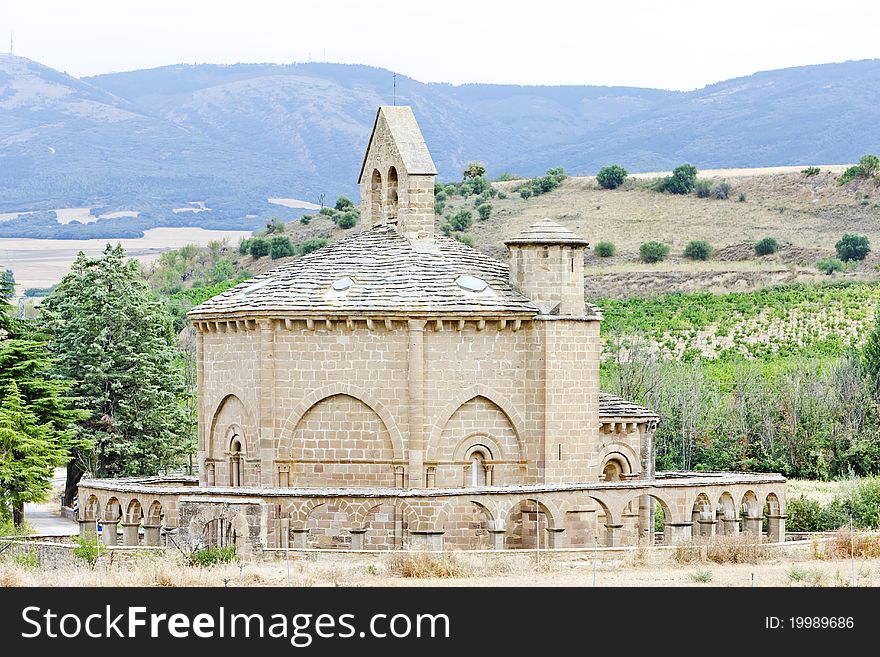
pixel 646 521
pixel 496 539
pixel 130 534
pixel 731 525
pixel 776 528
pixel 679 533
pixel 752 525
pixel 88 529
pixel 108 533
pixel 151 535
pixel 612 535
pixel 357 538
pixel 555 538
pixel 300 538
pixel 284 532
pixel 266 451
pixel 415 445
pixel 707 527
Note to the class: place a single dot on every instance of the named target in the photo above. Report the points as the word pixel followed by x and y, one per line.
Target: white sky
pixel 665 43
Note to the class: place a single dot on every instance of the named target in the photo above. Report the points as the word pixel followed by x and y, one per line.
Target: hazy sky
pixel 666 43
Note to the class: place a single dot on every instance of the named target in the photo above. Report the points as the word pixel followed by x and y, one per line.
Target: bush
pixel 805 515
pixel 811 171
pixel 464 239
pixel 606 249
pixel 485 211
pixel 259 247
pixel 867 167
pixel 543 184
pixel 280 247
pixel 27 559
pixel 703 189
pixel 853 247
pixel 88 550
pixel 682 180
pixel 344 203
pixel 426 564
pixel 830 265
pixel 742 197
pixel 461 220
pixel 721 191
pixel 525 192
pixel 305 220
pixel 653 251
pixel 327 212
pixel 347 219
pixel 211 556
pixel 701 576
pixel 439 207
pixel 611 177
pixel 311 244
pixel 244 247
pixel 766 246
pixel 698 250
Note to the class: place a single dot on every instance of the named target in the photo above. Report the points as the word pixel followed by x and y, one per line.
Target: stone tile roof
pixel 546 231
pixel 389 274
pixel 613 406
pixel 408 139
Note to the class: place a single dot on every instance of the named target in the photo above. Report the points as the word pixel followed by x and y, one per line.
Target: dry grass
pixel 427 564
pixel 736 548
pixel 862 544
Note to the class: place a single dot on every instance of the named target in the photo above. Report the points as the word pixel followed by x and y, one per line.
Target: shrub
pixel 868 166
pixel 259 247
pixel 344 203
pixel 830 265
pixel 211 556
pixel 485 211
pixel 721 191
pixel 606 249
pixel 461 220
pixel 88 550
pixel 611 177
pixel 653 251
pixel 701 576
pixel 464 239
pixel 766 246
pixel 742 197
pixel 852 247
pixel 327 212
pixel 698 250
pixel 346 220
pixel 703 188
pixel 275 225
pixel 811 171
pixel 682 180
pixel 440 195
pixel 280 247
pixel 525 192
pixel 502 195
pixel 27 559
pixel 805 515
pixel 505 176
pixel 426 564
pixel 305 220
pixel 311 244
pixel 244 247
pixel 439 207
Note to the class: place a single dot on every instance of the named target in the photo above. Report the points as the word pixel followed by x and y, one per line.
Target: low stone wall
pixel 489 517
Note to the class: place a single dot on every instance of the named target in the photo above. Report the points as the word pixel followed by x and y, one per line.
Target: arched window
pixel 612 470
pixel 392 194
pixel 235 461
pixel 477 473
pixel 376 196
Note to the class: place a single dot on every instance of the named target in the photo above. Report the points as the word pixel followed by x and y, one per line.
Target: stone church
pixel 399 389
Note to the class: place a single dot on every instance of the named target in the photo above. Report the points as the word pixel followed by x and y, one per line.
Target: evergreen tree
pixel 29 454
pixel 112 337
pixel 7 286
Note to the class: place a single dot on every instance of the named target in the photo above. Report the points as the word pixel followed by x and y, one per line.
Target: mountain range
pixel 233 136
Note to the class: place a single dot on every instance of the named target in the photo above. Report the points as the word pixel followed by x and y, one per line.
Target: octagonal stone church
pixel 399 389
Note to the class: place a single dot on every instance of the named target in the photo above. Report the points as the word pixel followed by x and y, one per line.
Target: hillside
pixel 233 136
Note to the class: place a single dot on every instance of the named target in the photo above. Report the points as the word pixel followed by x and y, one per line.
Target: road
pixel 46 518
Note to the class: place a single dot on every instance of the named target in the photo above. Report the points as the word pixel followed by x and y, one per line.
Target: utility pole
pixel 394 87
pixel 11 43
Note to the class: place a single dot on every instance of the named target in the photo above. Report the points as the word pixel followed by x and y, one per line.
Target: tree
pixel 653 251
pixel 280 247
pixel 29 454
pixel 485 211
pixel 461 220
pixel 116 341
pixel 7 286
pixel 682 180
pixel 852 247
pixel 344 203
pixel 611 177
pixel 259 247
pixel 474 170
pixel 605 249
pixel 347 219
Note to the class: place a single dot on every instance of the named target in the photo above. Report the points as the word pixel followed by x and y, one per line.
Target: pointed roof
pixel 407 137
pixel 546 231
pixel 375 272
pixel 613 406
